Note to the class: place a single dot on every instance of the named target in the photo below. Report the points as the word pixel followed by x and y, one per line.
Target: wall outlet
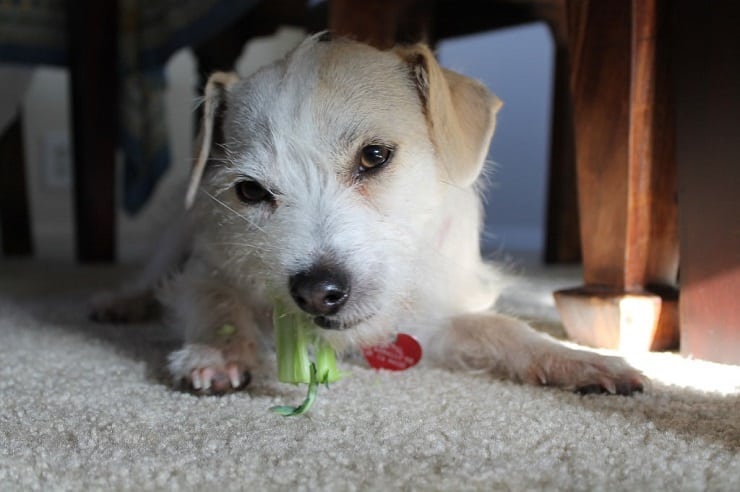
pixel 56 160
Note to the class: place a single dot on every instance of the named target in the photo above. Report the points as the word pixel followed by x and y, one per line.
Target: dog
pixel 343 181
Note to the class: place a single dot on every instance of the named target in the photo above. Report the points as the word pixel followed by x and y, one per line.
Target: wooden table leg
pixel 706 53
pixel 92 27
pixel 15 216
pixel 562 234
pixel 381 23
pixel 626 178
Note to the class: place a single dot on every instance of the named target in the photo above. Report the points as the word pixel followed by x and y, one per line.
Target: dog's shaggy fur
pixel 342 181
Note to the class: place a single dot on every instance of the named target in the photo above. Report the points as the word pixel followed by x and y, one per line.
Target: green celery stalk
pixel 326 363
pixel 293 338
pixel 313 386
pixel 291 345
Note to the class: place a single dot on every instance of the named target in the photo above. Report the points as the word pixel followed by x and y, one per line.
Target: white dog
pixel 341 180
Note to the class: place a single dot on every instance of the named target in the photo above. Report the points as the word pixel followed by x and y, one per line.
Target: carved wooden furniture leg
pixel 626 178
pixel 707 52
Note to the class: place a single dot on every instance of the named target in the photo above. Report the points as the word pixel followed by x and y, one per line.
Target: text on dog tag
pixel 400 354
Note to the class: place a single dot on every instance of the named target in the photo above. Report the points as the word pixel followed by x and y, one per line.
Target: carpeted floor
pixel 86 407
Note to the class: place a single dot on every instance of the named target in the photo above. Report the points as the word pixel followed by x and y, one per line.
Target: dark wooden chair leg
pixel 15 221
pixel 707 49
pixel 562 234
pixel 626 179
pixel 92 27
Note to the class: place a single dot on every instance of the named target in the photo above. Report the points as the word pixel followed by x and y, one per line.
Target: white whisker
pixel 241 245
pixel 227 207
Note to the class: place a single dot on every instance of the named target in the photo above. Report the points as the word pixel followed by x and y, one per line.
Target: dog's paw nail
pixel 234 377
pixel 207 378
pixel 608 385
pixel 195 380
pixel 542 377
pixel 536 375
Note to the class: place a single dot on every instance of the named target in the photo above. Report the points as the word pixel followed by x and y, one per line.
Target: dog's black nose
pixel 322 290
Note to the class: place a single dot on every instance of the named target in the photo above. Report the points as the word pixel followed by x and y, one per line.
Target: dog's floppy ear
pixel 460 113
pixel 213 106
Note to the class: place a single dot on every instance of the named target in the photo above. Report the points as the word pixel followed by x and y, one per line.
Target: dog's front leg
pixel 136 301
pixel 511 348
pixel 222 340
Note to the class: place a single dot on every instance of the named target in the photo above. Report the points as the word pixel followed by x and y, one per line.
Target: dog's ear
pixel 460 113
pixel 213 108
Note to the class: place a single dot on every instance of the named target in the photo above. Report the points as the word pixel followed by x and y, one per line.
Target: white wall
pixel 515 63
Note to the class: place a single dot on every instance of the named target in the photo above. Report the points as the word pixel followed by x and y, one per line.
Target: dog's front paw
pixel 209 370
pixel 585 372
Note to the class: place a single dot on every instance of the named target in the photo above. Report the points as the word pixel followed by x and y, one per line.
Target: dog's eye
pixel 250 191
pixel 373 157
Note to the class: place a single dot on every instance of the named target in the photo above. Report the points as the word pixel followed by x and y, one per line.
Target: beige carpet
pixel 85 407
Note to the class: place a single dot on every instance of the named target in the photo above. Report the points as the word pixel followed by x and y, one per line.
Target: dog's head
pixel 320 178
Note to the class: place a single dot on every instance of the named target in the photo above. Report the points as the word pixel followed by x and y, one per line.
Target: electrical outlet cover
pixel 56 160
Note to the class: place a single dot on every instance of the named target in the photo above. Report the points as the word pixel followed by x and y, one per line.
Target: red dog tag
pixel 402 353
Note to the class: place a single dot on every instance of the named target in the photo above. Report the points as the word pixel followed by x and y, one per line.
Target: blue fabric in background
pixel 150 31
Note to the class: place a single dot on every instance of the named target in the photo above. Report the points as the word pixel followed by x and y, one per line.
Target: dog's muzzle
pixel 321 291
